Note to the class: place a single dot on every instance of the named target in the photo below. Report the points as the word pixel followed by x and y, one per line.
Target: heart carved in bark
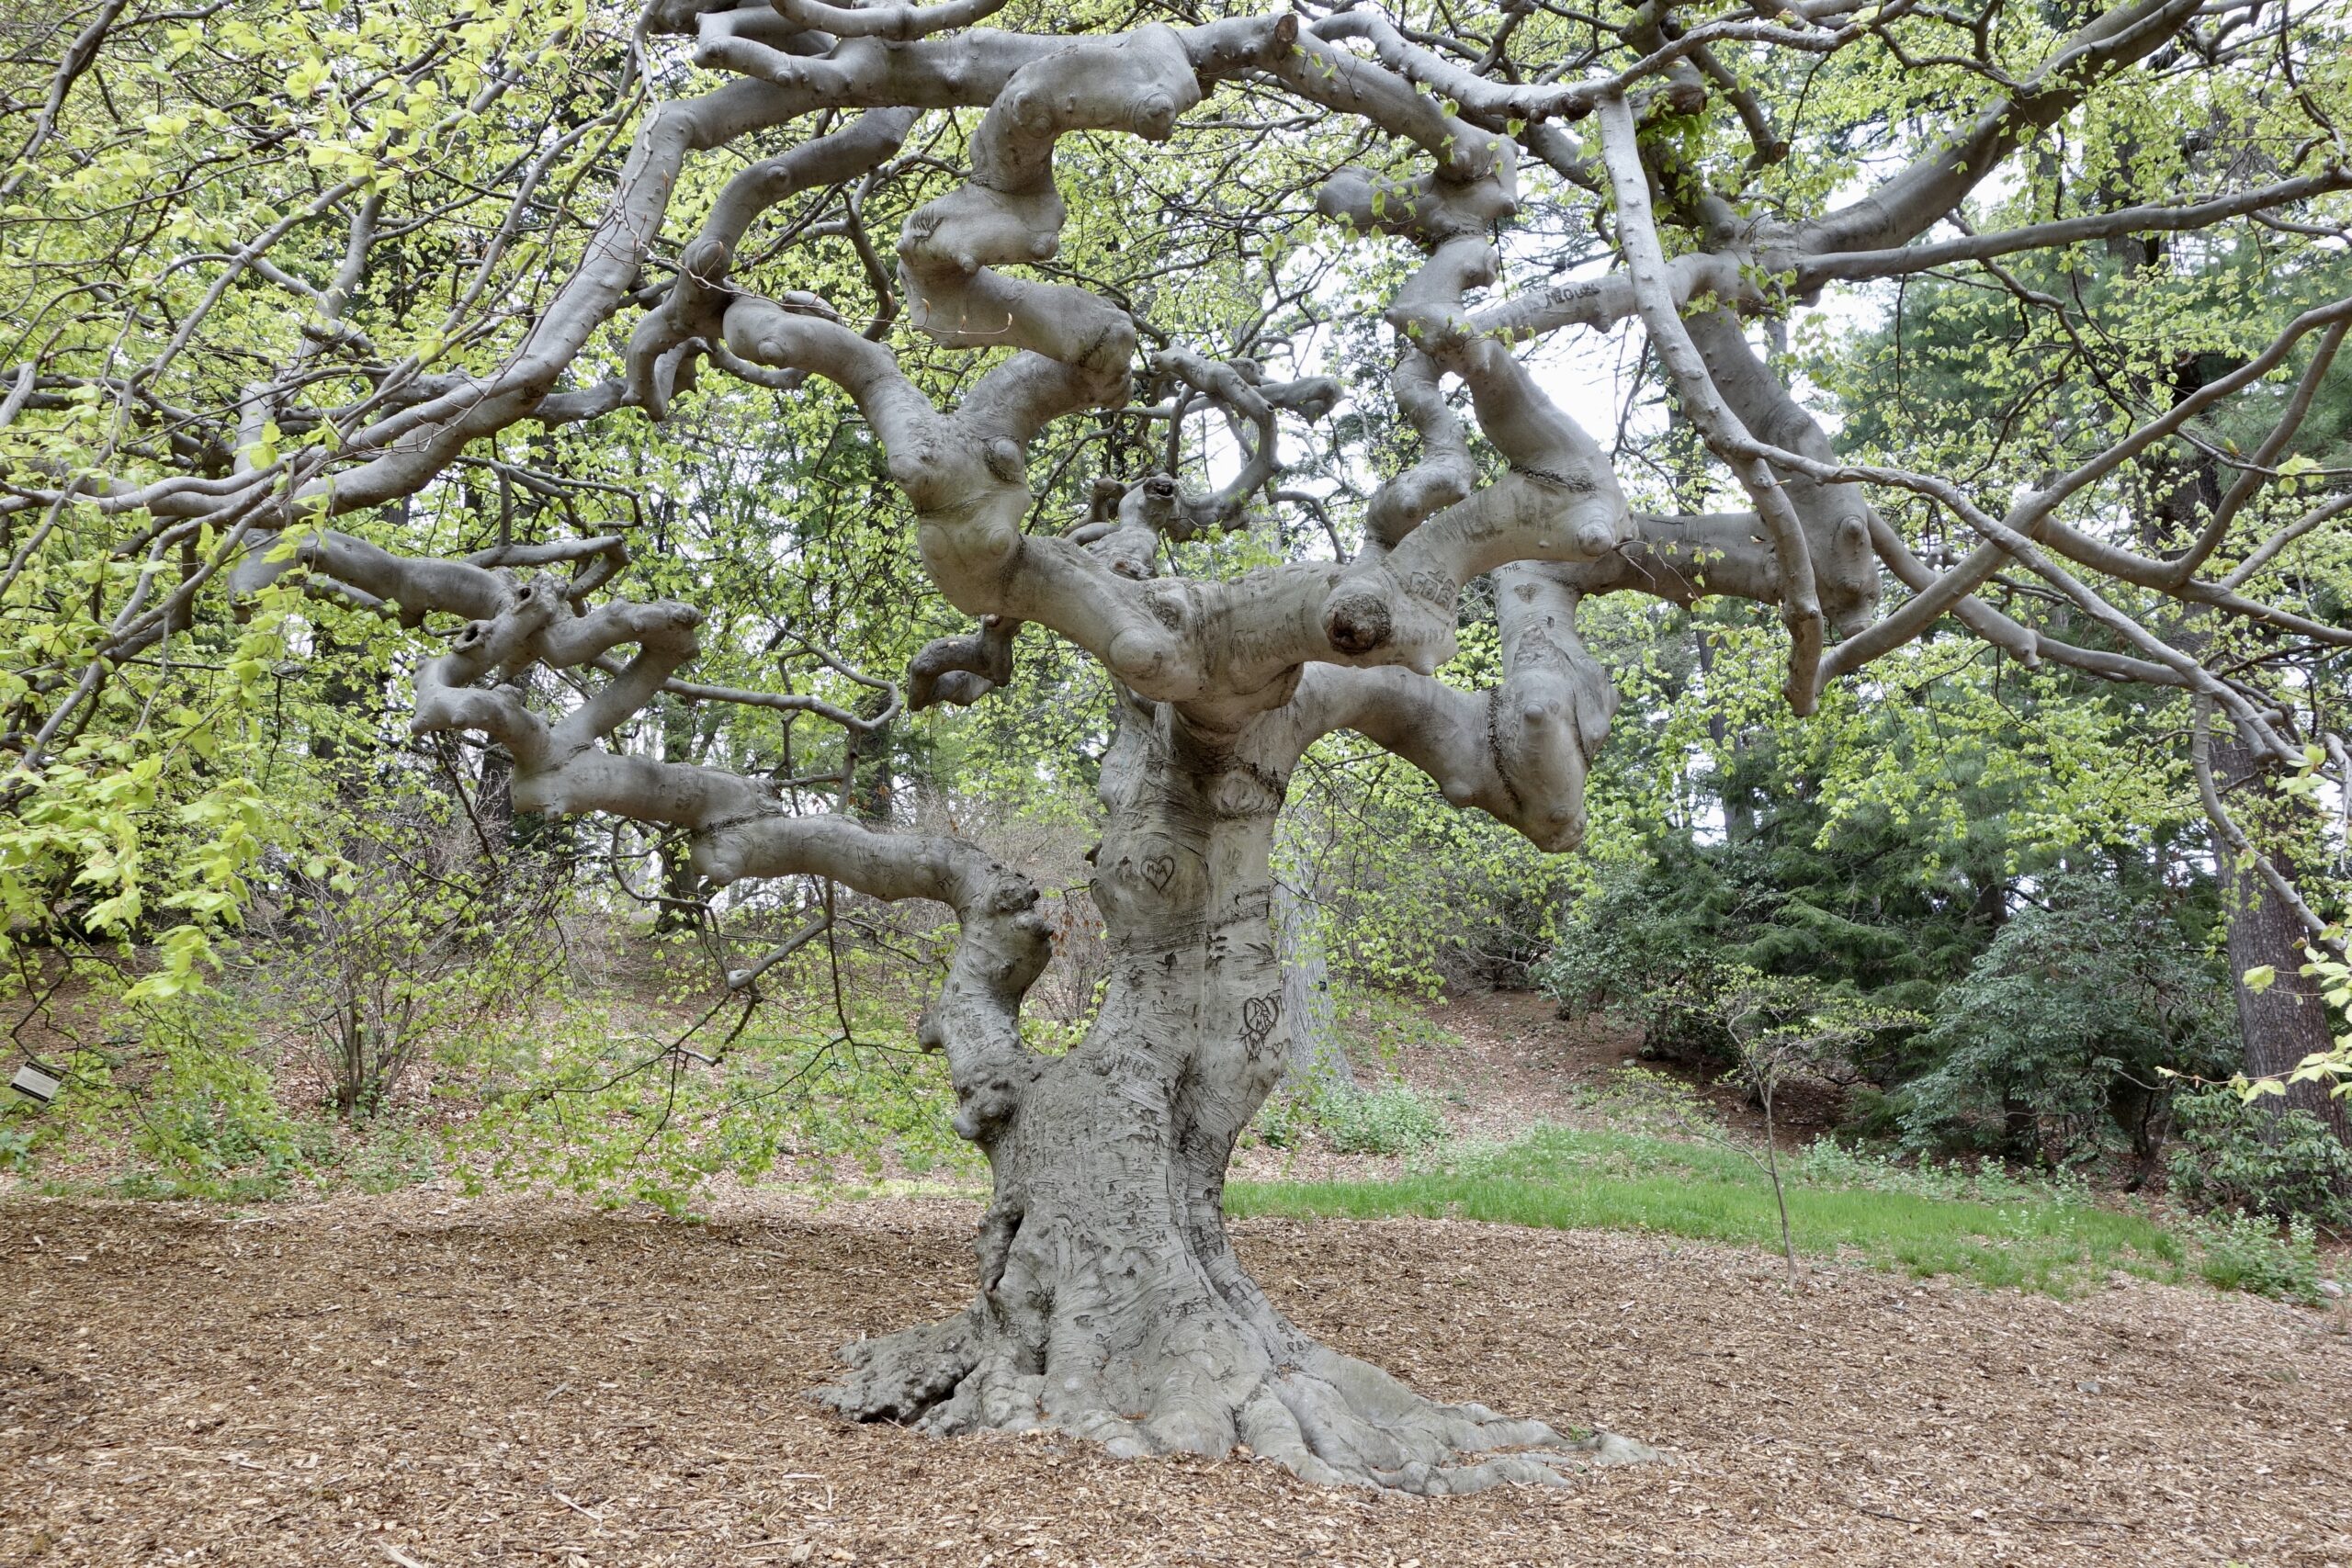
pixel 1258 1016
pixel 1159 870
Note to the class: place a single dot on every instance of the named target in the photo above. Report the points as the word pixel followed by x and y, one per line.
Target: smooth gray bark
pixel 1110 1302
pixel 1318 1056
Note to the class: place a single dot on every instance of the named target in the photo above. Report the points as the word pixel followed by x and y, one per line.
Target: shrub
pixel 1644 1098
pixel 2239 1251
pixel 1855 906
pixel 2055 1045
pixel 1633 950
pixel 1392 1119
pixel 396 1154
pixel 415 937
pixel 1829 1163
pixel 2285 1164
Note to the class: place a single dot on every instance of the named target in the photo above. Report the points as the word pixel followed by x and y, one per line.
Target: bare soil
pixel 420 1380
pixel 1511 1062
pixel 1523 1063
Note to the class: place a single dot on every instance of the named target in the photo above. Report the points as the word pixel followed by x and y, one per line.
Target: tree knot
pixel 1358 622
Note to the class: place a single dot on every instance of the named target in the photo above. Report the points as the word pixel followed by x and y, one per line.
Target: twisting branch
pixel 898 23
pixel 738 827
pixel 244 471
pixel 1722 429
pixel 1812 271
pixel 1238 387
pixel 960 670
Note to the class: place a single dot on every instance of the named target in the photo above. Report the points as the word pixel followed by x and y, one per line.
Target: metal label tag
pixel 34 1084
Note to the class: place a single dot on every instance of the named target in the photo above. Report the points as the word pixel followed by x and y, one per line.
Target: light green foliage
pixel 211 781
pixel 156 832
pixel 2333 1066
pixel 204 792
pixel 1377 1030
pixel 1645 1100
pixel 2243 1252
pixel 1382 1027
pixel 1826 1162
pixel 181 1088
pixel 394 1154
pixel 192 781
pixel 1390 1118
pixel 147 814
pixel 606 1100
pixel 418 938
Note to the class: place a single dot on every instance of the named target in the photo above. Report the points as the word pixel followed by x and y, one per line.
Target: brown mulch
pixel 421 1381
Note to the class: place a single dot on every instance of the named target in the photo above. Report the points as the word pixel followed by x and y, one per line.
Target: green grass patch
pixel 1565 1179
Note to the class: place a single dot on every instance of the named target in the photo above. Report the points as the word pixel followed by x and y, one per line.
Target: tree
pixel 271 299
pixel 1938 339
pixel 2065 1030
pixel 1880 856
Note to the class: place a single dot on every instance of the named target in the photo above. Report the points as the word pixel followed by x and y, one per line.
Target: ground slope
pixel 419 1380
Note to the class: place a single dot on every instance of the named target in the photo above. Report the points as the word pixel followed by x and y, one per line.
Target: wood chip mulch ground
pixel 420 1380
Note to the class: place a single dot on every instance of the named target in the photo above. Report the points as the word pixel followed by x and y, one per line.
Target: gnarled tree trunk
pixel 1110 1304
pixel 2287 1021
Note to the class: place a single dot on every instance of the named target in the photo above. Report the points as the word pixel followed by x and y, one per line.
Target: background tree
pixel 2078 342
pixel 314 294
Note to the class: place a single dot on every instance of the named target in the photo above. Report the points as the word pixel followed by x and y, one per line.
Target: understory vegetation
pixel 1649 1153
pixel 1659 1157
pixel 1943 804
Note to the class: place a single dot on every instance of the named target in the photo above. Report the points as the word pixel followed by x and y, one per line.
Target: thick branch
pixel 1908 204
pixel 1518 752
pixel 1724 433
pixel 1813 271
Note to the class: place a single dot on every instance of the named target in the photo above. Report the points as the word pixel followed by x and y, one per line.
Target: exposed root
pixel 1338 1421
pixel 899 1376
pixel 1330 1420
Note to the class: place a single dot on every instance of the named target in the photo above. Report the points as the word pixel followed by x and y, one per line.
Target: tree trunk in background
pixel 2287 1021
pixel 1317 1057
pixel 2282 1026
pixel 873 789
pixel 681 888
pixel 1733 788
pixel 495 797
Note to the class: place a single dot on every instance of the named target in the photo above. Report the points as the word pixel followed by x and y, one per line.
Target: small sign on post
pixel 34 1084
